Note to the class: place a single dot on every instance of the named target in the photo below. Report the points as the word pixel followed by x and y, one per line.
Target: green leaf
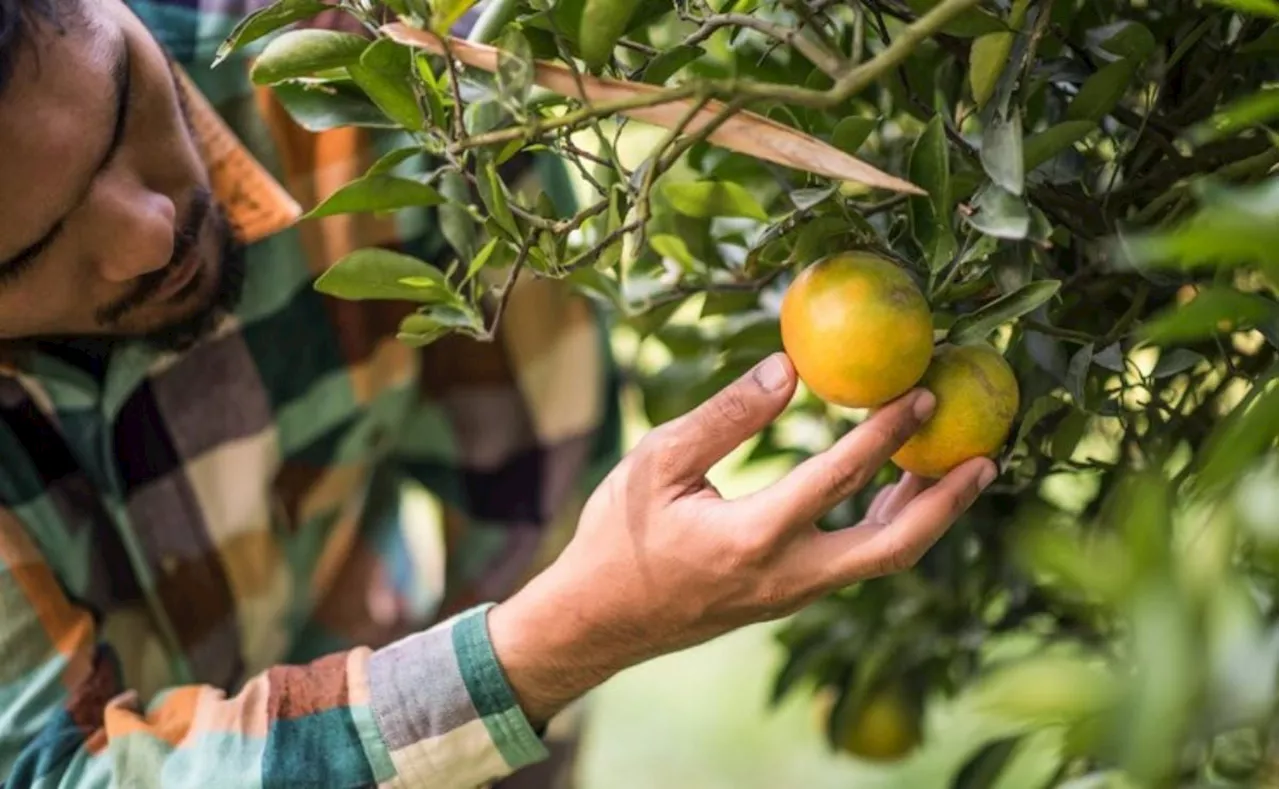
pixel 1249 431
pixel 673 247
pixel 1212 311
pixel 418 330
pixel 975 326
pixel 389 161
pixel 983 769
pixel 1175 361
pixel 432 91
pixel 1126 39
pixel 482 257
pixel 1256 7
pixel 456 222
pixel 1259 108
pixel 929 169
pixel 1002 156
pixel 966 24
pixel 376 273
pixel 384 73
pixel 374 193
pixel 662 67
pixel 1040 408
pixel 804 199
pixel 494 194
pixel 602 23
pixel 515 66
pixel 852 131
pixel 988 55
pixel 301 53
pixel 1043 146
pixel 706 199
pixel 445 13
pixel 1238 227
pixel 1078 373
pixel 1102 91
pixel 1000 213
pixel 318 108
pixel 267 20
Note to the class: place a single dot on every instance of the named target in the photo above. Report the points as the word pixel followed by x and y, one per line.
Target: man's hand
pixel 661 562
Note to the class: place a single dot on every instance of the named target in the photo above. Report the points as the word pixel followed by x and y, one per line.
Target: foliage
pixel 1099 200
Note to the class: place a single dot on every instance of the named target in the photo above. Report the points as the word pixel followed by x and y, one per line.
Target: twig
pixel 507 288
pixel 684 291
pixel 588 257
pixel 816 52
pixel 656 166
pixel 1056 331
pixel 459 130
pixel 850 83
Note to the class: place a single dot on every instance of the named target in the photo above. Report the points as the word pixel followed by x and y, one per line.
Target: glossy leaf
pixel 930 170
pixel 383 73
pixel 1043 146
pixel 852 131
pixel 265 21
pixel 323 107
pixel 301 53
pixel 1002 156
pixel 482 257
pixel 706 199
pixel 988 55
pixel 1078 373
pixel 376 273
pixel 1102 91
pixel 1000 213
pixel 494 194
pixel 377 193
pixel 668 62
pixel 975 326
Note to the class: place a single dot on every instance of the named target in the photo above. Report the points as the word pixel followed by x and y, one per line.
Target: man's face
pixel 107 226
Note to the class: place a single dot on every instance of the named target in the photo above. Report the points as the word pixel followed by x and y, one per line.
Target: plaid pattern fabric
pixel 207 574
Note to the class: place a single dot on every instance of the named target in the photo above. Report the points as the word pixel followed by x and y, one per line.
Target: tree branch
pixel 815 52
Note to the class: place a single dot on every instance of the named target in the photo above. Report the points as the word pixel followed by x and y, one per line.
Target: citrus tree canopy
pixel 1078 194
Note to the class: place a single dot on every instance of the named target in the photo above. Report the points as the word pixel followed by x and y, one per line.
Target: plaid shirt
pixel 206 573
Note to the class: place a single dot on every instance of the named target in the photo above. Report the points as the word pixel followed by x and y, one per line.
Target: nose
pixel 137 234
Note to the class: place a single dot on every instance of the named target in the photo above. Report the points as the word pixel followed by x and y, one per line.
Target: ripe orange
pixel 857 329
pixel 977 401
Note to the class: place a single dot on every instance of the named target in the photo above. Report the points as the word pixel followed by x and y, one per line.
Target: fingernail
pixel 923 406
pixel 987 475
pixel 771 374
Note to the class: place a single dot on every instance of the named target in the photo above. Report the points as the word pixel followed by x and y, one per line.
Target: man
pixel 206 578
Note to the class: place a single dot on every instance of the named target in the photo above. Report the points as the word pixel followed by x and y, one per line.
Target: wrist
pixel 550 651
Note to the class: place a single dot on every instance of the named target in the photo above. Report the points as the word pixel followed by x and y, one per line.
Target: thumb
pixel 695 441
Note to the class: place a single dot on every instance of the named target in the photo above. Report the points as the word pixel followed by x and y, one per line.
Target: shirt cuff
pixel 444 708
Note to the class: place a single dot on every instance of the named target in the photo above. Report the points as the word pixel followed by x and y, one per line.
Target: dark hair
pixel 16 16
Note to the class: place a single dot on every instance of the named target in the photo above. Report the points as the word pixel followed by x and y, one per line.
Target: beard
pixel 185 332
pixel 181 334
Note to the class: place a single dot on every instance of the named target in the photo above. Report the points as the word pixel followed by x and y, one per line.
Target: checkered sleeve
pixel 433 709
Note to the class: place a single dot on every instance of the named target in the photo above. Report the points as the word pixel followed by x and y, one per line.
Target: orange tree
pixel 1087 185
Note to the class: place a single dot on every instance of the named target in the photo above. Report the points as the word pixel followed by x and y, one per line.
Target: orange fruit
pixel 886 728
pixel 857 329
pixel 977 401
